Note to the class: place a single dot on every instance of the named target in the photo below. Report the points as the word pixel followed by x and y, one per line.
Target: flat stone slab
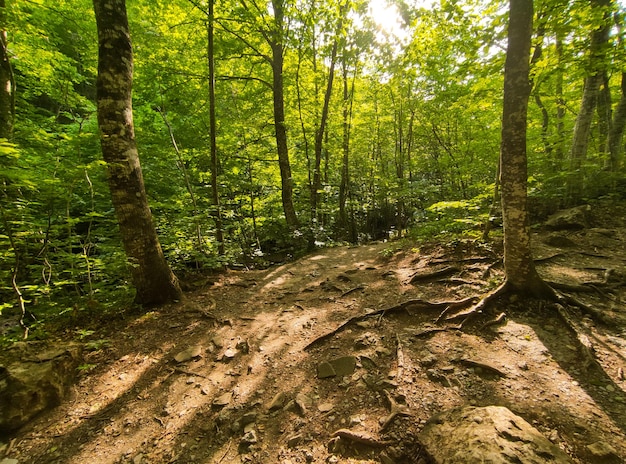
pixel 490 434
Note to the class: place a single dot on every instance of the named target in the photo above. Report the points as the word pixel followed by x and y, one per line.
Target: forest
pixel 268 129
pixel 351 231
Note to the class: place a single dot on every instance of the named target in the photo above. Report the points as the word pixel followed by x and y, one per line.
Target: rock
pixel 217 341
pixel 325 407
pixel 344 366
pixel 304 402
pixel 488 434
pixel 9 461
pixel 570 219
pixel 559 241
pixel 138 459
pixel 278 402
pixel 602 453
pixel 325 370
pixel 223 400
pixel 229 354
pixel 249 438
pixel 36 382
pixel 188 354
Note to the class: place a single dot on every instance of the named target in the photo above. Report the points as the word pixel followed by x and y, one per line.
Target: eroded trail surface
pixel 224 377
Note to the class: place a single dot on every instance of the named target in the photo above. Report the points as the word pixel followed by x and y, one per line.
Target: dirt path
pixel 244 389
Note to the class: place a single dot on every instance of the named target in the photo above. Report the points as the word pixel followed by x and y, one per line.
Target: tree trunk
pixel 7 82
pixel 279 116
pixel 344 184
pixel 617 130
pixel 215 194
pixel 319 135
pixel 153 279
pixel 519 267
pixel 582 128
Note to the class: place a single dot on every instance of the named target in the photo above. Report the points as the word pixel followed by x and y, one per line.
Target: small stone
pixel 303 402
pixel 249 438
pixel 325 371
pixel 278 402
pixel 230 353
pixel 188 354
pixel 523 365
pixel 325 407
pixel 610 388
pixel 138 459
pixel 9 461
pixel 223 400
pixel 218 342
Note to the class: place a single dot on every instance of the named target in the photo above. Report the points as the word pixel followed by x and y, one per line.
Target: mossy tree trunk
pixel 152 277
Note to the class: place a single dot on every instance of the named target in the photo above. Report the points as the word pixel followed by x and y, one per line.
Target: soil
pixel 232 373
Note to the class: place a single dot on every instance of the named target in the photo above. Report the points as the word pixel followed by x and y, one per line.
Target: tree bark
pixel 7 81
pixel 215 194
pixel 276 43
pixel 152 277
pixel 591 90
pixel 519 267
pixel 319 134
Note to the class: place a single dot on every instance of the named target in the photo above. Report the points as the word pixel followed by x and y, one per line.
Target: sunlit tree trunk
pixel 7 82
pixel 153 279
pixel 519 267
pixel 344 184
pixel 280 128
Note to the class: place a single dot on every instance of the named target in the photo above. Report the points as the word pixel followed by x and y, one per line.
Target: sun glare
pixel 388 19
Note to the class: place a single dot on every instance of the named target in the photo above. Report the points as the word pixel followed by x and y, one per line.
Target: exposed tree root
pixel 361 437
pixel 446 271
pixel 404 306
pixel 395 410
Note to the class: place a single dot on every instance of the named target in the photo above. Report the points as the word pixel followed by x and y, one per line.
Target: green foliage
pixel 422 126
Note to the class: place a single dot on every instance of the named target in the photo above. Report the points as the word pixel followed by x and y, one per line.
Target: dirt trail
pixel 244 389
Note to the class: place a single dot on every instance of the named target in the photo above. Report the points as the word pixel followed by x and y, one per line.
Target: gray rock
pixel 36 382
pixel 344 366
pixel 489 434
pixel 570 219
pixel 325 370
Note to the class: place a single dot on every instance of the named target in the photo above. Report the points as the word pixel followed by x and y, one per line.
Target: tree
pixel 596 71
pixel 275 39
pixel 153 279
pixel 215 195
pixel 519 266
pixel 7 82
